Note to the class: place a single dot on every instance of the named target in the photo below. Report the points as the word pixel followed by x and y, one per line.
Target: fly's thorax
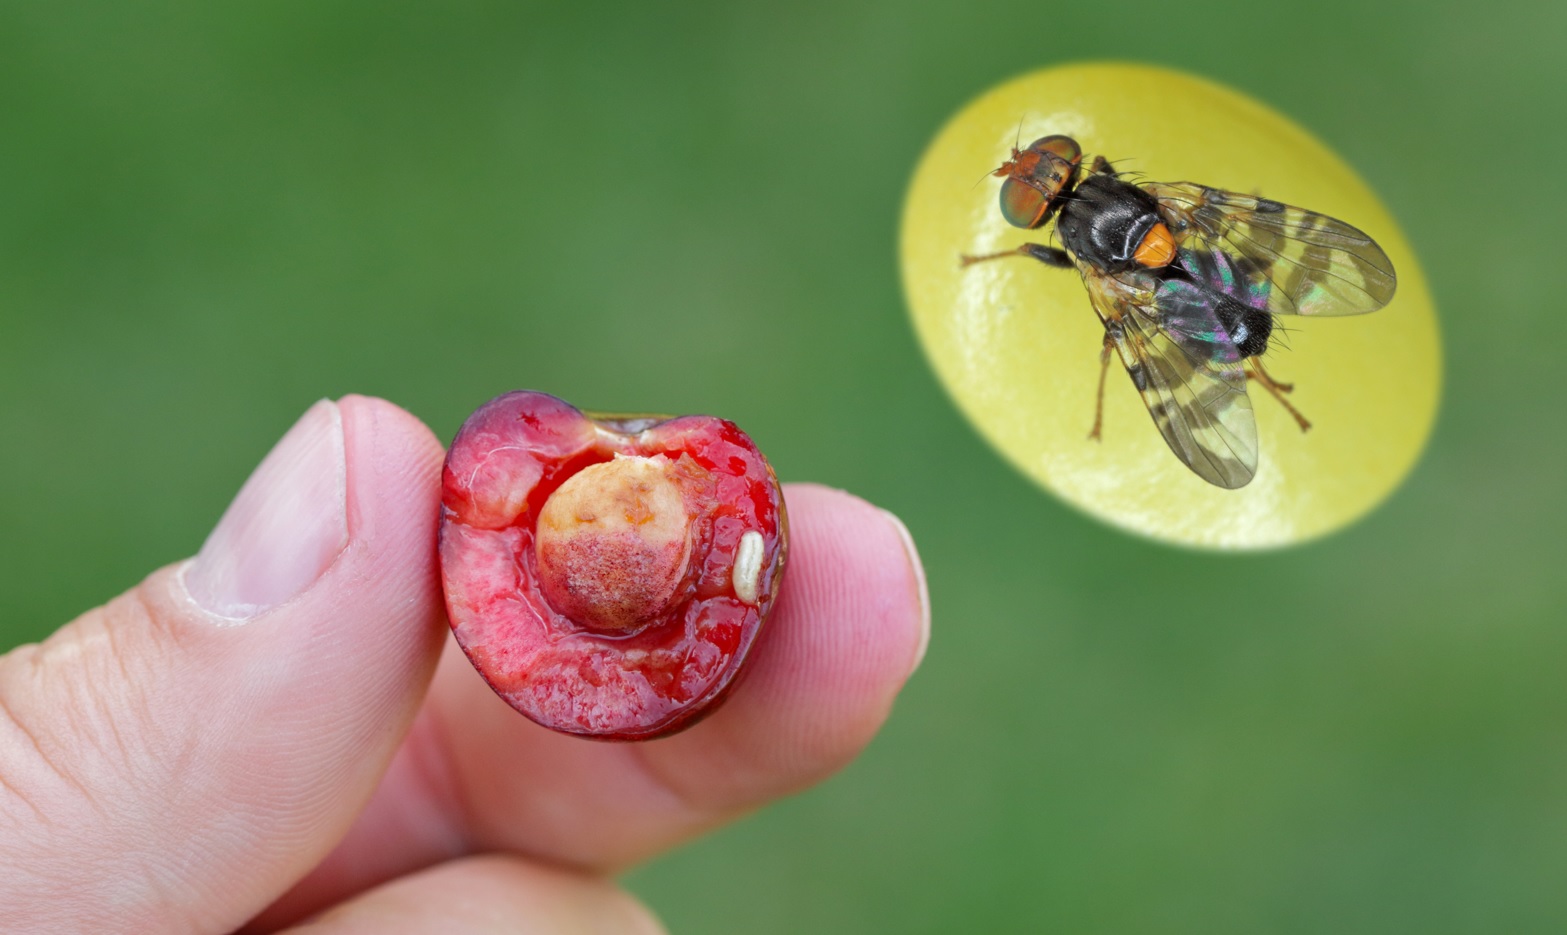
pixel 1107 221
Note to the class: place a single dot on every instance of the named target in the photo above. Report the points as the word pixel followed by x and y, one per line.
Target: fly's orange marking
pixel 1157 249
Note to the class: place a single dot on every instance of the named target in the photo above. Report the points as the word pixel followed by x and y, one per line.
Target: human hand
pixel 282 727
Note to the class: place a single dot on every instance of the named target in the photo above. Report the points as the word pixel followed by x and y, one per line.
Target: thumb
pixel 174 760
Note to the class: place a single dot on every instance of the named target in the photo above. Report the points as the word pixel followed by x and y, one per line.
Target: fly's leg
pixel 1050 256
pixel 1099 404
pixel 1278 385
pixel 1102 166
pixel 1255 372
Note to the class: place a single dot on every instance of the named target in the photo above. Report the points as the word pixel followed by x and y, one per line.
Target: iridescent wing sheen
pixel 1185 366
pixel 1270 255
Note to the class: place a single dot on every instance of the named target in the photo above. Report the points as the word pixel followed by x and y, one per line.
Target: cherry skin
pixel 607 576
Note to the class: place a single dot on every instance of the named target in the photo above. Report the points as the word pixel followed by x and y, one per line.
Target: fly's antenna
pixel 1017 138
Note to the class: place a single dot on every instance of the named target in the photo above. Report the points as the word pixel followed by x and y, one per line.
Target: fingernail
pixel 920 586
pixel 285 527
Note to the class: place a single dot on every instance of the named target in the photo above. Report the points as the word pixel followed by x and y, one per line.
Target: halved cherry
pixel 607 575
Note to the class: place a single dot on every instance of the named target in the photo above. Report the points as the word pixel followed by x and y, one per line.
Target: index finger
pixel 850 627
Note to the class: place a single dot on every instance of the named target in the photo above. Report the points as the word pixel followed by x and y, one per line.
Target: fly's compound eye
pixel 1035 177
pixel 1061 148
pixel 1022 204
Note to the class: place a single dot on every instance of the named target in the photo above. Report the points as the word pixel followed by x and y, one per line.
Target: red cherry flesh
pixel 608 576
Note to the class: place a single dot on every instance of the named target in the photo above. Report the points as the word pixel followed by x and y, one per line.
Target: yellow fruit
pixel 1017 344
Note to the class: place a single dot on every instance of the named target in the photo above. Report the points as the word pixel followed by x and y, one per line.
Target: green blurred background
pixel 214 214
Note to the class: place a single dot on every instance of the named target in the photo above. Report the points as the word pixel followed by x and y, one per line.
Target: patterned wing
pixel 1273 256
pixel 1187 368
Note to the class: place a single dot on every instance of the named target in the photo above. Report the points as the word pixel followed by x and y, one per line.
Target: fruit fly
pixel 1186 280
